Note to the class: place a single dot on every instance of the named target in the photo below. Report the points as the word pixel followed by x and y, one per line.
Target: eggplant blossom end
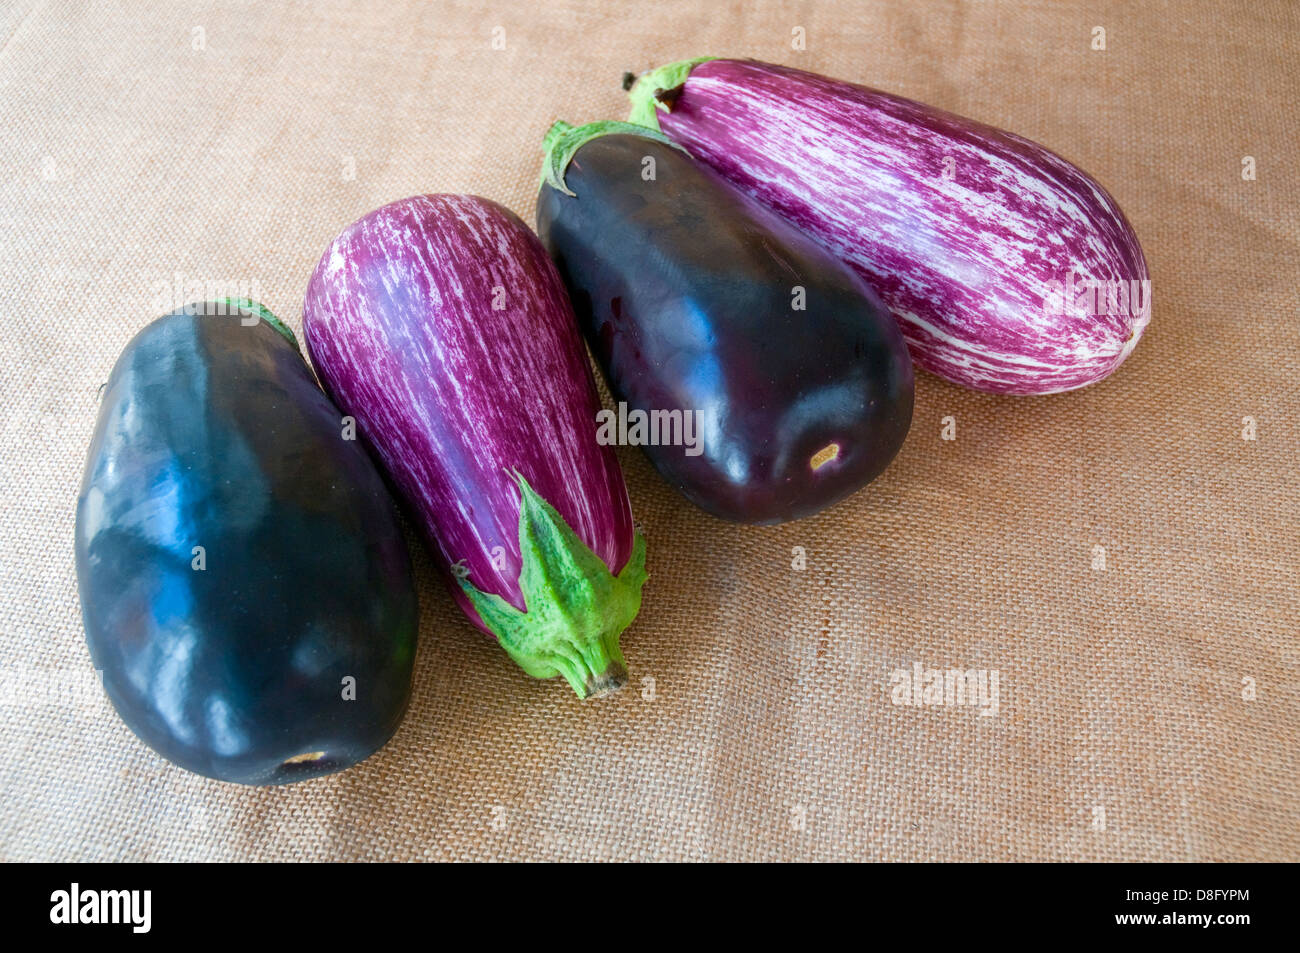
pixel 575 608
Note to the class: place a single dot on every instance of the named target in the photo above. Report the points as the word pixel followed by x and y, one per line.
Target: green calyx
pixel 657 89
pixel 575 608
pixel 259 309
pixel 563 141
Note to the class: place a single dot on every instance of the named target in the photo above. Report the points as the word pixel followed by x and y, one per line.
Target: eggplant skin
pixel 231 661
pixel 687 292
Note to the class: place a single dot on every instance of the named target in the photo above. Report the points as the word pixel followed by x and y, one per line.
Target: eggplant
pixel 244 580
pixel 440 324
pixel 1009 269
pixel 699 302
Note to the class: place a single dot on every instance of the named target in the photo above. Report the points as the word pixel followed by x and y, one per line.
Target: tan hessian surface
pixel 1146 711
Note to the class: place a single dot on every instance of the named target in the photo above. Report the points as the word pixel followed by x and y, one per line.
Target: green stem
pixel 654 91
pixel 262 311
pixel 563 141
pixel 574 607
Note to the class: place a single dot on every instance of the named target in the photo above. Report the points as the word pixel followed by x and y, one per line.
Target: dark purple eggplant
pixel 245 584
pixel 697 299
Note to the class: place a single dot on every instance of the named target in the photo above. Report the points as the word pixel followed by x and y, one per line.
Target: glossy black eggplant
pixel 245 583
pixel 694 298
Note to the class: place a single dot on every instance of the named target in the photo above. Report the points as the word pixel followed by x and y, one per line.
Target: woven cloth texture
pixel 1123 556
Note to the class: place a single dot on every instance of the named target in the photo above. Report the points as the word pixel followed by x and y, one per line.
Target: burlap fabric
pixel 1123 557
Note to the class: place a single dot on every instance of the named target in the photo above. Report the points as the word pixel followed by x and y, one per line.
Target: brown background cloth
pixel 215 140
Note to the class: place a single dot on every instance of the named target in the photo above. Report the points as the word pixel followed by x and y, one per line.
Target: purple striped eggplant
pixel 1008 268
pixel 439 323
